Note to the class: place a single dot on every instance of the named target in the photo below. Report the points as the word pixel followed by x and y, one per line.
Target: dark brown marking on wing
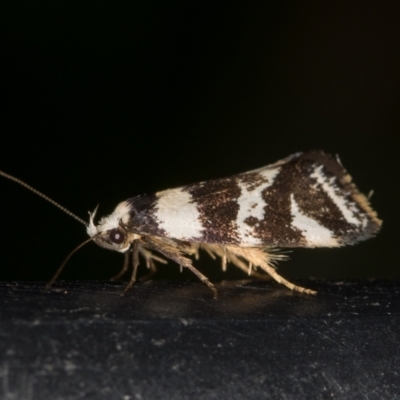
pixel 294 179
pixel 356 201
pixel 217 203
pixel 252 180
pixel 143 215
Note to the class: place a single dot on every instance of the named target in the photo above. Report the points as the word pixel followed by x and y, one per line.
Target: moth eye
pixel 116 236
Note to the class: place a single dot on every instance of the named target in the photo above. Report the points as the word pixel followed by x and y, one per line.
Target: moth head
pixel 111 232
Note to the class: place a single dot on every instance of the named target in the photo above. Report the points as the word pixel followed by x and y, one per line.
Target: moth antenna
pixel 57 274
pixel 25 185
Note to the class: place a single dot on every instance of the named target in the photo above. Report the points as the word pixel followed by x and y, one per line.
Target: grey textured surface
pixel 168 339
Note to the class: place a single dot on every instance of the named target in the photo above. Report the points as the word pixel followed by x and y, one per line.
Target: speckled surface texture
pixel 171 340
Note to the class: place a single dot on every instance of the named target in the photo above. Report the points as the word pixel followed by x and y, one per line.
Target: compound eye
pixel 116 236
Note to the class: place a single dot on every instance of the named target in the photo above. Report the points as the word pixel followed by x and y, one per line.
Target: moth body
pixel 304 200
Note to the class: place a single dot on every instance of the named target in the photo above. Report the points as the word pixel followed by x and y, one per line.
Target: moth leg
pixel 246 267
pixel 135 264
pixel 204 279
pixel 153 269
pixel 223 258
pixel 150 264
pixel 148 256
pixel 216 250
pixel 173 251
pixel 124 268
pixel 262 259
pixel 271 271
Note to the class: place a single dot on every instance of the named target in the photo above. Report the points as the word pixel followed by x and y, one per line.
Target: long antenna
pixel 57 274
pixel 22 183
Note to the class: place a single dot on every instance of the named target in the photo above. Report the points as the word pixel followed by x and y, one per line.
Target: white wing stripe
pixel 177 214
pixel 315 234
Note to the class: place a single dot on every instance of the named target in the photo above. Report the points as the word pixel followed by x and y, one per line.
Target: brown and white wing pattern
pixel 304 200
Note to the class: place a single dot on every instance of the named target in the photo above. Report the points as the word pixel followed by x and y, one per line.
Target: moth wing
pixel 305 200
pixel 309 202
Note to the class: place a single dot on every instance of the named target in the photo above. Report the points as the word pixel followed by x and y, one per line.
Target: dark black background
pixel 102 102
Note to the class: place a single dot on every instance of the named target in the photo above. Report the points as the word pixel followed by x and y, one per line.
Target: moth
pixel 305 200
